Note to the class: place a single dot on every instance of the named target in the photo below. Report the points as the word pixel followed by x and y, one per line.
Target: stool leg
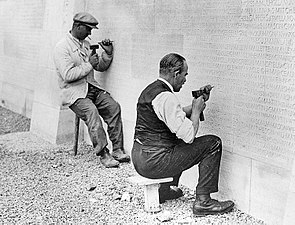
pixel 151 197
pixel 77 121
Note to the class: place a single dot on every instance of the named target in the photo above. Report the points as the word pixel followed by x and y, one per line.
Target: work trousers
pixel 160 162
pixel 99 103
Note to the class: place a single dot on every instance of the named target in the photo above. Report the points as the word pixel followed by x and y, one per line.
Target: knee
pixel 216 143
pixel 218 140
pixel 115 108
pixel 92 116
pixel 93 112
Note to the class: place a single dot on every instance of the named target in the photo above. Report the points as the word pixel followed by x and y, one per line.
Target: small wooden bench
pixel 151 191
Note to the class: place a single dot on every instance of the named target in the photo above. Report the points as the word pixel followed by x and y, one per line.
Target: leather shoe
pixel 107 160
pixel 120 156
pixel 169 193
pixel 211 207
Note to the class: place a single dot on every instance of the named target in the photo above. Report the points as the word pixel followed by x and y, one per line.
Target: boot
pixel 120 156
pixel 107 160
pixel 209 206
pixel 169 193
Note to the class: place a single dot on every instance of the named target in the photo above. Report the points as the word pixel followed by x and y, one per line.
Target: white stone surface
pixel 244 48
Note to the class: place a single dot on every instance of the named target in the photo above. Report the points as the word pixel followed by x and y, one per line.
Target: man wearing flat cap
pixel 75 65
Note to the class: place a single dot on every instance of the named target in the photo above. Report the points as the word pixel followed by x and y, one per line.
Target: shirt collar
pixel 166 82
pixel 76 44
pixel 76 40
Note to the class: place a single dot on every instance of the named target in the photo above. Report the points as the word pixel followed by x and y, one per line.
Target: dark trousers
pixel 161 162
pixel 99 103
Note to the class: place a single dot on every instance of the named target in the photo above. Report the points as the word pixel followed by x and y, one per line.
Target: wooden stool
pixel 151 191
pixel 76 133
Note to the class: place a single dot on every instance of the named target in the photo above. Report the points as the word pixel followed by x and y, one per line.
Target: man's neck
pixel 75 39
pixel 73 33
pixel 166 82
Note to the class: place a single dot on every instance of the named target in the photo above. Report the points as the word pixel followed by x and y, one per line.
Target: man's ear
pixel 176 73
pixel 79 26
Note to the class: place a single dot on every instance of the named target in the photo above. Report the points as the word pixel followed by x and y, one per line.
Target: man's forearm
pixel 187 110
pixel 196 121
pixel 104 62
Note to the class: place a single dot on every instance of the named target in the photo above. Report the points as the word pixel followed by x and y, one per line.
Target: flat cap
pixel 86 19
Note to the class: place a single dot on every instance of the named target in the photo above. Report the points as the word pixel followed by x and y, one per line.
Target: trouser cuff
pixel 100 152
pixel 206 190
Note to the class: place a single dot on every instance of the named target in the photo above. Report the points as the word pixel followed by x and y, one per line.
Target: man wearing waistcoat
pixel 165 144
pixel 75 65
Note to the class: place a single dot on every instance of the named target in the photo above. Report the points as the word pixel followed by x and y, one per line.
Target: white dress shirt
pixel 168 109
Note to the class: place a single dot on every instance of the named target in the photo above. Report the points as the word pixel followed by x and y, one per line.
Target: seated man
pixel 75 65
pixel 165 144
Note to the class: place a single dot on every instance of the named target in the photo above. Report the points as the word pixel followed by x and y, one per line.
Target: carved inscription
pixel 246 49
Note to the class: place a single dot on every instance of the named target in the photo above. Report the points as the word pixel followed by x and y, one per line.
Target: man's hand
pixel 206 91
pixel 94 60
pixel 107 46
pixel 198 105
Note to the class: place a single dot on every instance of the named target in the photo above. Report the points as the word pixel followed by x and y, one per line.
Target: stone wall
pixel 21 27
pixel 244 48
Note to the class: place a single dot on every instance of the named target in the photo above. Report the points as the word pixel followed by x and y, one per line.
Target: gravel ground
pixel 12 122
pixel 42 183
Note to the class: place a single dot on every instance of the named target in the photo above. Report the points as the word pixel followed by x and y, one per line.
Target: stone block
pixel 29 98
pixel 17 98
pixel 46 88
pixel 289 216
pixel 190 177
pixel 235 180
pixel 128 131
pixel 44 121
pixel 65 126
pixel 53 124
pixel 269 192
pixel 293 168
pixel 292 183
pixel 14 97
pixel 1 98
pixel 2 72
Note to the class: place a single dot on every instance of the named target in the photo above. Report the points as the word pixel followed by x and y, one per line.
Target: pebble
pixel 164 216
pixel 93 200
pixel 91 188
pixel 126 197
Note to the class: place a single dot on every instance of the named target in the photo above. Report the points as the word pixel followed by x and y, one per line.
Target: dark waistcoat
pixel 149 129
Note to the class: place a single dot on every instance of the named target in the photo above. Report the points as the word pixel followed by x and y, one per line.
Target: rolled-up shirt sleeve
pixel 169 110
